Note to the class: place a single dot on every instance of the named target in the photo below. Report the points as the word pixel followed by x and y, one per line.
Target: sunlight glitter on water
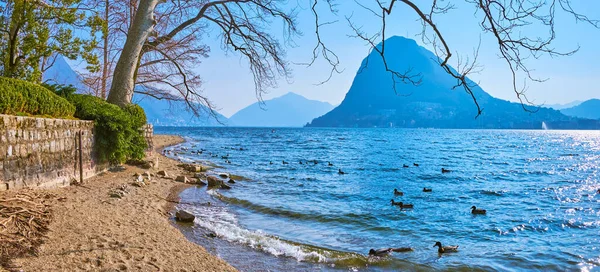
pixel 539 188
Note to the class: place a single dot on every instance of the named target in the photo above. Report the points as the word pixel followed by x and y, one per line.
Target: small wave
pixel 493 193
pixel 225 226
pixel 348 218
pixel 523 227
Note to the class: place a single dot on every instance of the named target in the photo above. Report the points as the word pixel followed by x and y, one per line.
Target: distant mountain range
pixel 589 109
pixel 563 106
pixel 175 113
pixel 158 112
pixel 289 110
pixel 372 101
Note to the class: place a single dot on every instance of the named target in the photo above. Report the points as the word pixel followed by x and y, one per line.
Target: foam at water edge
pixel 224 225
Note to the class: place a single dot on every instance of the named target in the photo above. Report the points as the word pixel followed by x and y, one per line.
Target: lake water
pixel 538 187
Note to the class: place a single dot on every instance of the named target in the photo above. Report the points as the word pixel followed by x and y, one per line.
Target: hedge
pixel 18 97
pixel 119 135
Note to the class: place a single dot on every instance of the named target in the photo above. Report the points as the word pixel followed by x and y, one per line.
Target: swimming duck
pixel 341 172
pixel 444 170
pixel 405 166
pixel 402 205
pixel 402 249
pixel 385 251
pixel 329 164
pixel 406 206
pixel 415 164
pixel 284 162
pixel 474 210
pixel 398 193
pixel 445 249
pixel 271 162
pixel 300 162
pixel 427 190
pixel 380 252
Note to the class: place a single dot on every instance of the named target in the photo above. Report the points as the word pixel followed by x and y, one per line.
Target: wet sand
pixel 91 230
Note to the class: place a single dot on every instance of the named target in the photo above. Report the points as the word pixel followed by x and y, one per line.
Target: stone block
pixel 23 150
pixel 40 151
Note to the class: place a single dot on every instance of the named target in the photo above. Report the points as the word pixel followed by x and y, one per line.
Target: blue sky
pixel 229 85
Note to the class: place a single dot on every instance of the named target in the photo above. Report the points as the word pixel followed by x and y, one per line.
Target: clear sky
pixel 228 82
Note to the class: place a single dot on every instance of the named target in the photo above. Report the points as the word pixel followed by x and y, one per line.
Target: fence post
pixel 80 158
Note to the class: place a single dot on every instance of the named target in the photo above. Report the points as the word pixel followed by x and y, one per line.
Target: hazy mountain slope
pixel 563 106
pixel 62 73
pixel 289 110
pixel 589 109
pixel 158 112
pixel 174 113
pixel 372 101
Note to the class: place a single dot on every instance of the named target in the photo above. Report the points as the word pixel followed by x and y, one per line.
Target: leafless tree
pixel 170 33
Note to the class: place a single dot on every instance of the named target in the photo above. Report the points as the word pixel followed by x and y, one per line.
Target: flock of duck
pixel 441 248
pixel 383 251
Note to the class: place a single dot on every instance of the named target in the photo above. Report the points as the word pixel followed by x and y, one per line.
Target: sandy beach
pixel 92 231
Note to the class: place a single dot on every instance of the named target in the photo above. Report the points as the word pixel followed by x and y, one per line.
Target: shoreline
pixel 91 230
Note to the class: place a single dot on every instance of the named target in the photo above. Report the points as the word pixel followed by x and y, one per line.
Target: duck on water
pixel 401 205
pixel 474 210
pixel 445 249
pixel 386 251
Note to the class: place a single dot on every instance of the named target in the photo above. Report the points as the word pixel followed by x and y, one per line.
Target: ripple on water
pixel 538 187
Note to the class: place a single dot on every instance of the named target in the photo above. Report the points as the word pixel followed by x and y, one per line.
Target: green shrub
pixel 118 131
pixel 138 140
pixel 61 90
pixel 22 97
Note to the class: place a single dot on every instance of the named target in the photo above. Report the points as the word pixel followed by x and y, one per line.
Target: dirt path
pixel 93 231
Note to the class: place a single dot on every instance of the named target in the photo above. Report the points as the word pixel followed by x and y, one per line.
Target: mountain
pixel 373 102
pixel 589 109
pixel 175 113
pixel 61 73
pixel 158 112
pixel 289 110
pixel 563 106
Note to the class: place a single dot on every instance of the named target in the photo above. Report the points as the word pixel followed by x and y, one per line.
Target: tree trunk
pixel 121 91
pixel 16 20
pixel 105 52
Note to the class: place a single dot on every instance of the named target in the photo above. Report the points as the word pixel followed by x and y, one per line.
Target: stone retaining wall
pixel 41 152
pixel 148 133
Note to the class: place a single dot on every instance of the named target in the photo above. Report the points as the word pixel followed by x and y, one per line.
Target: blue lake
pixel 539 189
